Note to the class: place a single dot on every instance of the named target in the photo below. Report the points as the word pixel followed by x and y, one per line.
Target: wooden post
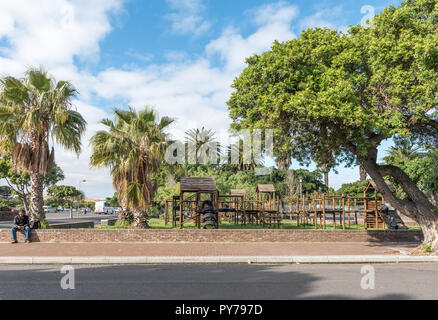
pixel 365 213
pixel 376 211
pixel 166 213
pixel 349 215
pixel 320 215
pixel 181 210
pixel 355 212
pixel 323 211
pixel 343 212
pixel 334 213
pixel 297 209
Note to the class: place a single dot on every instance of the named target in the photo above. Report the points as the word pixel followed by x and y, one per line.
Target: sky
pixel 178 56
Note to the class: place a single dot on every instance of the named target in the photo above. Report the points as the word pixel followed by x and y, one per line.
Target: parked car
pixel 103 207
pixel 48 209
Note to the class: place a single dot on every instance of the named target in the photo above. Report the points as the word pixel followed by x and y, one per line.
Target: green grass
pixel 158 223
pixel 287 224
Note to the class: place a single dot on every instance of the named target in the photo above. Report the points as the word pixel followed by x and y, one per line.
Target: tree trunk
pixel 363 173
pixel 125 214
pixel 326 179
pixel 429 226
pixel 140 221
pixel 25 203
pixel 36 210
pixel 434 198
pixel 416 206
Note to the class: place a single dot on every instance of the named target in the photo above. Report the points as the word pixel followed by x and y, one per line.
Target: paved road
pixel 64 217
pixel 230 282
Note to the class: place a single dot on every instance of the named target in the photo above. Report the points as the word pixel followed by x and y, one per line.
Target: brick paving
pixel 200 249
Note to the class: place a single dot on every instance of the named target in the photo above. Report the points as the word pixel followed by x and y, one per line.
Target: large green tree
pixel 19 182
pixel 344 94
pixel 65 196
pixel 35 112
pixel 420 164
pixel 133 147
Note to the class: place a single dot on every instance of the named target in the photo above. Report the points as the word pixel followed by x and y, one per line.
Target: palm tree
pixel 203 141
pixel 242 165
pixel 133 147
pixel 403 151
pixel 35 111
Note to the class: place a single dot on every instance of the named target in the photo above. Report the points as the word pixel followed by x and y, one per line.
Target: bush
pixel 124 224
pixel 426 248
pixel 44 225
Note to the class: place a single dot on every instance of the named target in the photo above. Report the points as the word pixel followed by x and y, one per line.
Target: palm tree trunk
pixel 125 214
pixel 36 210
pixel 140 221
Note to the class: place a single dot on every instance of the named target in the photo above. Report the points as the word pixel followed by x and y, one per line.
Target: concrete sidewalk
pixel 208 253
pixel 201 249
pixel 362 259
pixel 205 253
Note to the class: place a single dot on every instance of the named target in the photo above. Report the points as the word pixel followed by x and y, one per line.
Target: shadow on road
pixel 190 282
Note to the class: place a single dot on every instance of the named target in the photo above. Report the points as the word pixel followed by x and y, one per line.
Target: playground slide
pixel 387 213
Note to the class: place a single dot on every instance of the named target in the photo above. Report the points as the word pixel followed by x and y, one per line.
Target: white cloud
pixel 326 18
pixel 186 17
pixel 191 89
pixel 274 21
pixel 280 12
pixel 98 181
pixel 52 33
pixel 194 91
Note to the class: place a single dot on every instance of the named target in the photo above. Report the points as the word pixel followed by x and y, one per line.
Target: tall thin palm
pixel 36 112
pixel 133 147
pixel 204 145
pixel 248 160
pixel 403 151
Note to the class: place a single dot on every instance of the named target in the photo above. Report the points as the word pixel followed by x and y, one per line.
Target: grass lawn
pixel 158 223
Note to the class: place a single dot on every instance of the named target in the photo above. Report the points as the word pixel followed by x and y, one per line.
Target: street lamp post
pixel 79 197
pixel 301 188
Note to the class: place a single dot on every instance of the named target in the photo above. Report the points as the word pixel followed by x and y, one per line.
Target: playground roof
pixel 198 184
pixel 237 192
pixel 265 188
pixel 373 187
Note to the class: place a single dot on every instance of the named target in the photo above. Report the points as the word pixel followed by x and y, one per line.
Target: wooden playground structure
pixel 200 202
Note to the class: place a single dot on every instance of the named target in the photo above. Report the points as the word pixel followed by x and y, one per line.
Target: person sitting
pixel 393 223
pixel 21 223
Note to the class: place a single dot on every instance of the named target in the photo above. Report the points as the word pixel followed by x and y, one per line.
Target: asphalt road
pixel 230 282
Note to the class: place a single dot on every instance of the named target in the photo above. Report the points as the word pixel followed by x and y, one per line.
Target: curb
pixel 217 260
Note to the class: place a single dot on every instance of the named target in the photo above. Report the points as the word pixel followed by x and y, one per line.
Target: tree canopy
pixel 333 96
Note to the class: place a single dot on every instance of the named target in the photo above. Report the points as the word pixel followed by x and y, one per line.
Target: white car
pixel 103 208
pixel 48 209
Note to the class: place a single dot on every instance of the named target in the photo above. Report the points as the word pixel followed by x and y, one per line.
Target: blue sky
pixel 179 56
